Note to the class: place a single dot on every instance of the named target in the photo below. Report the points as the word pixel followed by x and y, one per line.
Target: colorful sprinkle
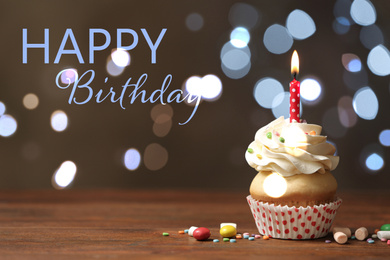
pixel 246 236
pixel 251 238
pixel 376 230
pixel 269 135
pixel 165 234
pixel 312 133
pixel 216 240
pixel 233 240
pixel 388 242
pixel 239 236
pixel 353 237
pixel 225 239
pixel 186 231
pixel 281 139
pixel 257 236
pixel 265 237
pixel 385 227
pixel 181 232
pixel 374 236
pixel 371 241
pixel 383 239
pixel 253 235
pixel 259 156
pixel 328 241
pixel 250 150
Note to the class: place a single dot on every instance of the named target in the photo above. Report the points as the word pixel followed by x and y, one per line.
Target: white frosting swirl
pixel 293 148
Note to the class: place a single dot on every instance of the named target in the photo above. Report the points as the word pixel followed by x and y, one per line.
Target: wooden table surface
pixel 121 224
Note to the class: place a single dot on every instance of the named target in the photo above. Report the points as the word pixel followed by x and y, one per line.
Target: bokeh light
pixel 371 36
pixel 194 22
pixel 120 57
pixel 68 76
pixel 351 62
pixel 64 175
pixel 162 125
pixel 342 8
pixel 59 121
pixel 235 62
pixel 374 162
pixel 240 37
pixel 384 137
pixel 113 69
pixel 209 87
pixel 341 25
pixel 277 39
pixel 300 24
pixel 347 115
pixel 132 159
pixel 363 12
pixel 275 185
pixel 8 125
pixel 2 108
pixel 379 60
pixel 155 157
pixel 30 101
pixel 265 91
pixel 280 105
pixel 161 109
pixel 242 14
pixel 365 103
pixel 310 89
pixel 236 59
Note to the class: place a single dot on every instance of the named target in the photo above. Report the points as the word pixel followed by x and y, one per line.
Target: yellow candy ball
pixel 228 231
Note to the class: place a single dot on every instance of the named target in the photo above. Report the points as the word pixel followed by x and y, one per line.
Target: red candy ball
pixel 201 233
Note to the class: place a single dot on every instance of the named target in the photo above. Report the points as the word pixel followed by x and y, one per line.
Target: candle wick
pixel 295 75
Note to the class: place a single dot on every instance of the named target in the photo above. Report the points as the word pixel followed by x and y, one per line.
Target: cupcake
pixel 293 195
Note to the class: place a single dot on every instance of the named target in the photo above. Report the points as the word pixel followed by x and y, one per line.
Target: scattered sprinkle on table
pixel 246 236
pixel 257 236
pixel 251 238
pixel 265 237
pixel 239 236
pixel 383 239
pixel 388 242
pixel 225 239
pixel 328 241
pixel 353 237
pixel 232 240
pixel 371 241
pixel 374 236
pixel 165 234
pixel 216 240
pixel 181 232
pixel 186 231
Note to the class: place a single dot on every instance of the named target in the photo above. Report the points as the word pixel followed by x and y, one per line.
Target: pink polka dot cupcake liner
pixel 291 222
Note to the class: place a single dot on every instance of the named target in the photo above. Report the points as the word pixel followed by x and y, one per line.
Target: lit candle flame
pixel 295 63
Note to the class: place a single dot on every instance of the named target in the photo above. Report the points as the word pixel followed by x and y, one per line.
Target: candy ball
pixel 228 231
pixel 201 233
pixel 385 227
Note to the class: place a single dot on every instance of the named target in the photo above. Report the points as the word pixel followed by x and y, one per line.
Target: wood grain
pixel 121 224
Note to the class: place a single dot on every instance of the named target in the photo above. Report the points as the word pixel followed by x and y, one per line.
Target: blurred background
pixel 235 54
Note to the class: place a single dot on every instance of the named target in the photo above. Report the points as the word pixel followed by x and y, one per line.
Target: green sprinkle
pixel 281 139
pixel 165 234
pixel 250 150
pixel 269 135
pixel 225 239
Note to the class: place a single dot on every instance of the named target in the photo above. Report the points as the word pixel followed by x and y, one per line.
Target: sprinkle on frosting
pixel 250 150
pixel 298 153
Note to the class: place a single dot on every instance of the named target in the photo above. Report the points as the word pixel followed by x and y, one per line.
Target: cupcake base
pixel 293 222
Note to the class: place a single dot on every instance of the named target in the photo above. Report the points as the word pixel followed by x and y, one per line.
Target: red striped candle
pixel 294 90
